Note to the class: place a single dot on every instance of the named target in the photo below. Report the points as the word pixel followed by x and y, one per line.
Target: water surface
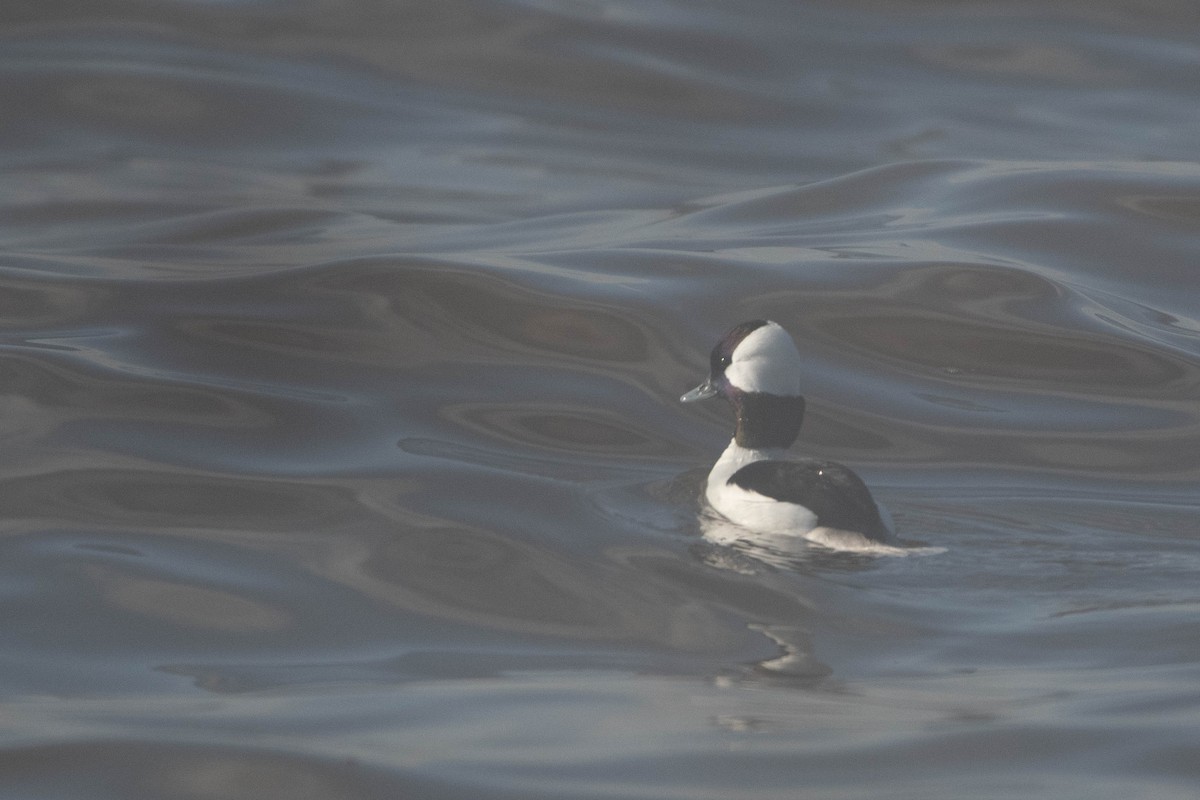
pixel 341 346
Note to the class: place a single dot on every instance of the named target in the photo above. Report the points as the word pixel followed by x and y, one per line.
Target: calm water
pixel 341 345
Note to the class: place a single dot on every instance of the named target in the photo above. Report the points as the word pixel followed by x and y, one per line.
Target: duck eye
pixel 725 361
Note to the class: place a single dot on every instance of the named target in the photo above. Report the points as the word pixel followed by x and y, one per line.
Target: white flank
pixel 749 508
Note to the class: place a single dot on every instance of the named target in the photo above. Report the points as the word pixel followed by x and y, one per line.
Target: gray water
pixel 341 343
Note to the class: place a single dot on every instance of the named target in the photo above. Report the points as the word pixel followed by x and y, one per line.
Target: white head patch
pixel 766 361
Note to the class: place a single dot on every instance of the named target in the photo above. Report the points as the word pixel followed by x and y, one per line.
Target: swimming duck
pixel 757 368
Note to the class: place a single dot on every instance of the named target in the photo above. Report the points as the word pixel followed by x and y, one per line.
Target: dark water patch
pixel 550 466
pixel 498 582
pixel 577 431
pixel 144 497
pixel 1014 356
pixel 167 93
pixel 335 344
pixel 581 333
pixel 80 392
pixel 109 607
pixel 1052 555
pixel 497 311
pixel 736 741
pixel 103 768
pixel 33 303
pixel 257 226
pixel 237 611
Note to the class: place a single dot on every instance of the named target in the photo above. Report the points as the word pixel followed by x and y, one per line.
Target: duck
pixel 754 484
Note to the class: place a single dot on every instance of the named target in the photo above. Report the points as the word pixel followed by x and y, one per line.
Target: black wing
pixel 836 495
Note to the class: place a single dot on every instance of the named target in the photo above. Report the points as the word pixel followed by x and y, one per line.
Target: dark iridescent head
pixel 756 367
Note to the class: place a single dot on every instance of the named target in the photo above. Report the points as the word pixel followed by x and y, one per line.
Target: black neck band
pixel 767 420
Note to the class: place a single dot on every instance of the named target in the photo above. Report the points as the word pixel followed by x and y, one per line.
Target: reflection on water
pixel 339 350
pixel 179 604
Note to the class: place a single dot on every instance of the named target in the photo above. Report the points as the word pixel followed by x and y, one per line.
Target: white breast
pixel 751 509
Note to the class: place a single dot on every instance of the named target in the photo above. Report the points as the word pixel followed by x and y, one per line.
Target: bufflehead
pixel 757 368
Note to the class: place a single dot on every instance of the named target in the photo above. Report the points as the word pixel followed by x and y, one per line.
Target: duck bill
pixel 702 392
